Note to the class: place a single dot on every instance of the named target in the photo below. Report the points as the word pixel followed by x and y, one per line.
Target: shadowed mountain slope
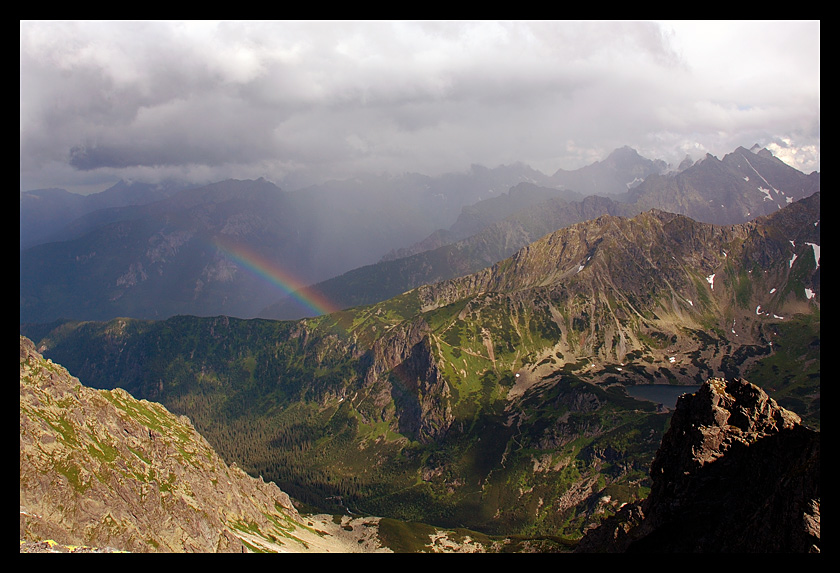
pixel 745 184
pixel 46 213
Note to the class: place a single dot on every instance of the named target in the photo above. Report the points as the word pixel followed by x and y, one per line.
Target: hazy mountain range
pixel 232 247
pixel 247 248
pixel 711 190
pixel 52 214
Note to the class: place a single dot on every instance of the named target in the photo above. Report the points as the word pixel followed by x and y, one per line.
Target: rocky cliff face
pixel 101 469
pixel 404 369
pixel 735 473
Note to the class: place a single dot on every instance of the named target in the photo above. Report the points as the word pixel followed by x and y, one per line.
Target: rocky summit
pixel 735 473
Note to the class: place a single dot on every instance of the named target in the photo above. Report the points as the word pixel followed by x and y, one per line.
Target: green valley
pixel 495 401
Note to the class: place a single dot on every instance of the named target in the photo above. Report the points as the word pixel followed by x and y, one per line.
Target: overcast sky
pixel 299 102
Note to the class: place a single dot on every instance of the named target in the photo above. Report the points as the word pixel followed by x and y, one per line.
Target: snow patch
pixel 766 191
pixel 581 266
pixel 809 294
pixel 711 280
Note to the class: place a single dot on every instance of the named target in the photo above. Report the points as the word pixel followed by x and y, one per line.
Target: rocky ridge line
pixel 100 469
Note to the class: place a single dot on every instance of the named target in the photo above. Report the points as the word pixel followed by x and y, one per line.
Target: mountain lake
pixel 660 393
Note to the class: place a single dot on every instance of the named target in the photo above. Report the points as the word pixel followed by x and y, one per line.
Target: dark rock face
pixel 421 395
pixel 404 364
pixel 735 473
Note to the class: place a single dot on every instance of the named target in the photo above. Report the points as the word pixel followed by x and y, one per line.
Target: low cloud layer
pixel 299 102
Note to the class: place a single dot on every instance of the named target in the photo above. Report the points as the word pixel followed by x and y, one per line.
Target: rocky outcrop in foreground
pixel 99 469
pixel 735 473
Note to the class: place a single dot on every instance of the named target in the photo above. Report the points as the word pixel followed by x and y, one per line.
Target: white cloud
pixel 269 97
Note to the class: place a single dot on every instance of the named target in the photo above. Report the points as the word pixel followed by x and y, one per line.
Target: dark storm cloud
pixel 209 100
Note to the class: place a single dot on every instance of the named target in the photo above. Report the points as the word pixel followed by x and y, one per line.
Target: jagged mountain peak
pixel 740 187
pixel 621 170
pixel 685 163
pixel 621 154
pixel 757 149
pixel 735 473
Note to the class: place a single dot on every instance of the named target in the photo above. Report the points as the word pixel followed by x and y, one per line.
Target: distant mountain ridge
pixel 164 257
pixel 622 169
pixel 207 251
pixel 745 184
pixel 388 278
pixel 478 216
pixel 622 174
pixel 44 213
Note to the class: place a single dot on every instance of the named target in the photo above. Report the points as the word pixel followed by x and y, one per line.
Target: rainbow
pixel 268 269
